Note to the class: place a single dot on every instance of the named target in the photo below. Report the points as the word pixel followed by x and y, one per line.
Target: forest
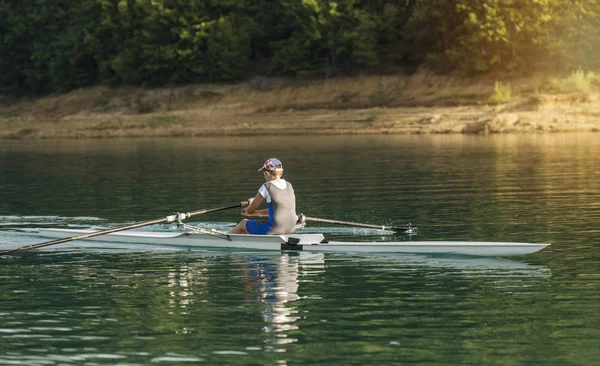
pixel 54 46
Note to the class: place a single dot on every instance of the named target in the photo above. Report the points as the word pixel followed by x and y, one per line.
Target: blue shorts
pixel 253 227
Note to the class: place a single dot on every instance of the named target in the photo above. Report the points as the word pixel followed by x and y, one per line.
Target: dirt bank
pixel 399 104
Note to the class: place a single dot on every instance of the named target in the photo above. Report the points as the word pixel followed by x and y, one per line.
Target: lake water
pixel 88 304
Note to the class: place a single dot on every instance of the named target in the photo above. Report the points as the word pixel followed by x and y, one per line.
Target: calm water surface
pixel 86 304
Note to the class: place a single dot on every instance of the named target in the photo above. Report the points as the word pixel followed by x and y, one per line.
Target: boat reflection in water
pixel 278 280
pixel 462 264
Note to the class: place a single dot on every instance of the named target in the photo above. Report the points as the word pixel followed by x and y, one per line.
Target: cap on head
pixel 272 165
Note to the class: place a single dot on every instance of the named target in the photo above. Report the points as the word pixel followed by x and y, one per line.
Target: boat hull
pixel 305 242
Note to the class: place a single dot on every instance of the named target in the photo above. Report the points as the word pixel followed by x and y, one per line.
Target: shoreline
pixel 418 104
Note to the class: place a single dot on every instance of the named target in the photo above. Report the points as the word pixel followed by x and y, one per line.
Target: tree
pixel 328 37
pixel 579 35
pixel 475 36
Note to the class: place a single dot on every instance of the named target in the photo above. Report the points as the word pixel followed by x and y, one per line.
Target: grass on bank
pixel 154 122
pixel 502 94
pixel 578 82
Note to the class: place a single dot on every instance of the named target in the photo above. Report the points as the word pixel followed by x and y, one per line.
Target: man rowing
pixel 280 197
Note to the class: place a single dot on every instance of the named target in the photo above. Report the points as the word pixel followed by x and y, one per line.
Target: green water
pixel 74 304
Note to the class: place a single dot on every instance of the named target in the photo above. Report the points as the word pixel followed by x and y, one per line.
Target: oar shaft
pixel 170 218
pixel 314 219
pixel 408 228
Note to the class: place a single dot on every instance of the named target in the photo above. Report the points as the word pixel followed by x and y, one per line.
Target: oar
pixel 172 218
pixel 403 229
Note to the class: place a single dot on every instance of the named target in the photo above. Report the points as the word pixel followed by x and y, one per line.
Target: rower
pixel 281 201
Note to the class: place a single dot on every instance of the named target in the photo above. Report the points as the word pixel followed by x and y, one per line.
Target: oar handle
pixel 171 218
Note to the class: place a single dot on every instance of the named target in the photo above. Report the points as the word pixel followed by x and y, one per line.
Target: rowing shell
pixel 306 242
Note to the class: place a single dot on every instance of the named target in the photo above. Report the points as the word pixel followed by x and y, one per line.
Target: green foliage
pixel 577 46
pixel 327 37
pixel 370 119
pixel 378 99
pixel 164 121
pixel 25 132
pixel 578 82
pixel 478 36
pixel 107 125
pixel 152 123
pixel 228 51
pixel 552 86
pixel 55 46
pixel 502 94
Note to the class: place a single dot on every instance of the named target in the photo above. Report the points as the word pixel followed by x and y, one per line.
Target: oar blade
pixel 403 229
